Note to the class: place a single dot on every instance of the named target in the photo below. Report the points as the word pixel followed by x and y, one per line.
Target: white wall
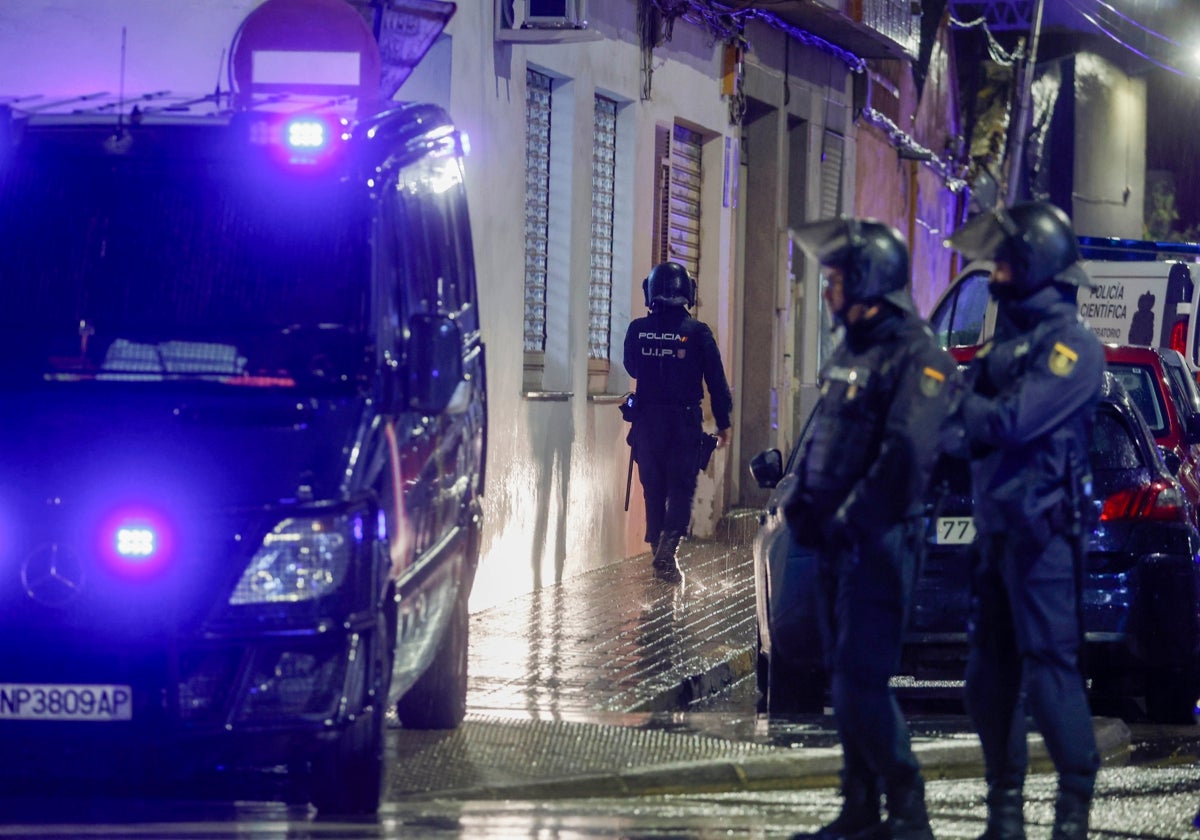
pixel 557 469
pixel 1110 165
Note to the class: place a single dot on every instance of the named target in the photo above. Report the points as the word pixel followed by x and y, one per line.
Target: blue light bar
pixel 307 134
pixel 136 542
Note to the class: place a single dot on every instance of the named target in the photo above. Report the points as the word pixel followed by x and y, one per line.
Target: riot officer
pixel 670 354
pixel 1026 418
pixel 861 481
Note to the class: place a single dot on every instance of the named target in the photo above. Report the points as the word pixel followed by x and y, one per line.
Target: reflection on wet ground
pixel 1142 803
pixel 615 639
pixel 590 677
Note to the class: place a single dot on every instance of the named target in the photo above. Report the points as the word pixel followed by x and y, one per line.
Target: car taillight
pixel 1157 500
pixel 1179 334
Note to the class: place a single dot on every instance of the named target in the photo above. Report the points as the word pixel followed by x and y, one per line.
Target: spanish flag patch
pixel 1062 359
pixel 932 381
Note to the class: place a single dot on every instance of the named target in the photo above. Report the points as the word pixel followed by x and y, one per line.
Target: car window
pixel 794 455
pixel 1139 382
pixel 1183 384
pixel 1113 445
pixel 1179 392
pixel 958 319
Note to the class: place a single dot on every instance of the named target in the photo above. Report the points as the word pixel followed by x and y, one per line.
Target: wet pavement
pixel 596 686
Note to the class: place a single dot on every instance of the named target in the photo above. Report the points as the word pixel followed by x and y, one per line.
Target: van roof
pixel 176 107
pixel 395 131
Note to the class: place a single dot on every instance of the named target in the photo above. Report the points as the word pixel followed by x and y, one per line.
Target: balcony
pixel 867 28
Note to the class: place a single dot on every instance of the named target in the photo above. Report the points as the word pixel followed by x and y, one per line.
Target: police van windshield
pixel 117 267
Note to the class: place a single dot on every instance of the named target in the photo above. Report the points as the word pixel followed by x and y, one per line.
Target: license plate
pixel 954 530
pixel 89 703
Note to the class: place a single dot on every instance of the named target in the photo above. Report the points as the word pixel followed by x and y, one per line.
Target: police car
pixel 243 438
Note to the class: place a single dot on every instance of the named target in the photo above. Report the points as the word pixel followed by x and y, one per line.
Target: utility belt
pixel 632 405
pixel 667 407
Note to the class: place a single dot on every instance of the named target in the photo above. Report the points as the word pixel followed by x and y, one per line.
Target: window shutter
pixel 537 207
pixel 831 175
pixel 604 163
pixel 683 238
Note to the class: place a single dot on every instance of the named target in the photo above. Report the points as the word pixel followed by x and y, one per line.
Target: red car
pixel 1163 386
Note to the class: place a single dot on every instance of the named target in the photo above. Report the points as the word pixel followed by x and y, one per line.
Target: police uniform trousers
pixel 666 446
pixel 1025 636
pixel 868 587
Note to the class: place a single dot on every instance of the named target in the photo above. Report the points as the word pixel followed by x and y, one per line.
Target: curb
pixel 808 768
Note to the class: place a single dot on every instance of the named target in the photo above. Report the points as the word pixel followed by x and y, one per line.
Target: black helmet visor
pixel 984 237
pixel 827 241
pixel 993 234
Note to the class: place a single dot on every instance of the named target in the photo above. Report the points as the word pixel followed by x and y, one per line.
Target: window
pixel 958 318
pixel 604 162
pixel 1113 447
pixel 832 152
pixel 677 225
pixel 537 207
pixel 426 243
pixel 1139 382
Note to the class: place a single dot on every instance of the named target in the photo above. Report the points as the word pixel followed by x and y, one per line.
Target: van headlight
pixel 300 560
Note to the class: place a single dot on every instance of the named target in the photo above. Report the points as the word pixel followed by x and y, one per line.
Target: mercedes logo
pixel 51 576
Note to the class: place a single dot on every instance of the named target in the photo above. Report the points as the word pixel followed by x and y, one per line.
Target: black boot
pixel 1071 816
pixel 907 817
pixel 666 566
pixel 1006 814
pixel 859 818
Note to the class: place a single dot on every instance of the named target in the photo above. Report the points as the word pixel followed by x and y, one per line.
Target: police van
pixel 243 438
pixel 1142 294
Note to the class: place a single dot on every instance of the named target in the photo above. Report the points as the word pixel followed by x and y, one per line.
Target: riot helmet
pixel 669 284
pixel 1035 238
pixel 872 255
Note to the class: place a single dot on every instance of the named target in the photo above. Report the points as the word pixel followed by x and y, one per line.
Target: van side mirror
pixel 767 468
pixel 435 366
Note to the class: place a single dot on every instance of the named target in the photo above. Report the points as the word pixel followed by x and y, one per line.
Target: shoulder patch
pixel 932 381
pixel 1062 359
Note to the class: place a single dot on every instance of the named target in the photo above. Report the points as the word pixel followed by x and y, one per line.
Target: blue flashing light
pixel 1116 249
pixel 136 543
pixel 307 134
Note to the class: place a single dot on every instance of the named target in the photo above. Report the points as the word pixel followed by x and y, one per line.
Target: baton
pixel 629 479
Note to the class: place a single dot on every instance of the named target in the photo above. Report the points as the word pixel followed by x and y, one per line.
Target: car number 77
pixel 955 530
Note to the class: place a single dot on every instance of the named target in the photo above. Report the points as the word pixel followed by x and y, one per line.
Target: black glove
pixel 970 416
pixel 978 380
pixel 840 536
pixel 801 516
pixel 952 437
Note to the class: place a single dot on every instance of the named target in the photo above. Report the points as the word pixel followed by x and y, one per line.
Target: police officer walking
pixel 861 480
pixel 670 354
pixel 1026 419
